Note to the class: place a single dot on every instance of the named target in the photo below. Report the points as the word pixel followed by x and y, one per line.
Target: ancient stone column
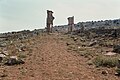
pixel 49 22
pixel 70 23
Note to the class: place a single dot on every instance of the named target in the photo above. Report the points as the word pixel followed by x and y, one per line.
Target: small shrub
pixel 22 56
pixel 85 54
pixel 71 47
pixel 89 63
pixel 30 50
pixel 82 49
pixel 105 61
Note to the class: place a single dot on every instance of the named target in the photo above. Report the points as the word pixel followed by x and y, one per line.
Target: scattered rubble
pixel 13 60
pixel 105 72
pixel 101 46
pixel 2 56
pixel 10 60
pixel 12 43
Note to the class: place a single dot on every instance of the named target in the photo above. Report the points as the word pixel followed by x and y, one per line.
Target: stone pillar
pixel 49 22
pixel 70 24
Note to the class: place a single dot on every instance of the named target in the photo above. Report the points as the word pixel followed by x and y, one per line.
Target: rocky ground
pixel 58 57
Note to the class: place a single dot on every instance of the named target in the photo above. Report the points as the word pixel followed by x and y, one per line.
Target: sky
pixel 16 15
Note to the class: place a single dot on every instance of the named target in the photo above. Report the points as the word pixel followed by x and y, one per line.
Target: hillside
pixel 54 57
pixel 108 24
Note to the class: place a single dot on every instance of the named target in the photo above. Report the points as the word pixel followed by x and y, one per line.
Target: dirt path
pixel 50 60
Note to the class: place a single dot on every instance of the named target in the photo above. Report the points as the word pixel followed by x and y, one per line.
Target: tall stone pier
pixel 49 21
pixel 70 23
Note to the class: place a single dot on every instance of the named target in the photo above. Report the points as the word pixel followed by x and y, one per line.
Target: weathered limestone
pixel 50 19
pixel 70 23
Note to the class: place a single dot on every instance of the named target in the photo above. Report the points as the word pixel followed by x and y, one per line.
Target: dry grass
pixel 105 61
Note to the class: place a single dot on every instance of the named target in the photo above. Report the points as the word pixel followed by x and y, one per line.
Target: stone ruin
pixel 50 19
pixel 70 23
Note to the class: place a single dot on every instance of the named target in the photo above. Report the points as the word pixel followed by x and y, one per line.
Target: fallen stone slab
pixel 110 54
pixel 3 44
pixel 13 60
pixel 92 43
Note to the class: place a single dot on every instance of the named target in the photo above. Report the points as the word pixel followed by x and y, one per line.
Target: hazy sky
pixel 31 14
